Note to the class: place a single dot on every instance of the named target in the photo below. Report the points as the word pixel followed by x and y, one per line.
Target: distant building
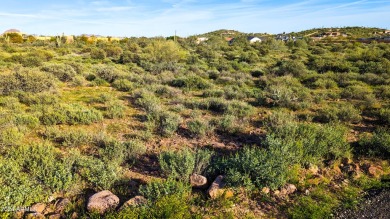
pixel 386 31
pixel 13 31
pixel 230 40
pixel 201 39
pixel 253 39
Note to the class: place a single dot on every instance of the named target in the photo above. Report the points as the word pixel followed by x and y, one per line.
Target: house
pixel 230 40
pixel 201 39
pixel 12 31
pixel 283 37
pixel 386 31
pixel 253 39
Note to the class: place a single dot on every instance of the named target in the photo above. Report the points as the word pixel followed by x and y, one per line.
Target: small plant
pixel 161 188
pixel 115 109
pixel 123 85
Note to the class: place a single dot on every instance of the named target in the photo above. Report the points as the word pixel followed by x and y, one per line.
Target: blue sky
pixel 187 17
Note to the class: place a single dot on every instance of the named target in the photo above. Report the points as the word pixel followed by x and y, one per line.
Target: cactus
pixel 58 41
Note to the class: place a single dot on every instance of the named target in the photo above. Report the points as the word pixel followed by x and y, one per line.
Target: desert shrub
pixel 71 114
pixel 285 92
pixel 181 164
pixel 160 188
pixel 123 85
pixel 191 82
pixel 134 148
pixel 356 91
pixel 18 188
pixel 239 109
pixel 216 104
pixel 311 143
pixel 213 93
pixel 69 138
pixel 293 67
pixel 198 127
pixel 26 80
pixel 253 166
pixel 113 51
pixel 229 124
pixel 98 54
pixel 384 115
pixel 341 112
pixel 147 100
pixel 10 136
pixel 325 83
pixel 26 120
pixel 167 92
pixel 63 72
pixel 167 123
pixel 44 165
pixel 376 145
pixel 108 73
pixel 279 118
pixel 319 204
pixel 97 173
pixel 115 109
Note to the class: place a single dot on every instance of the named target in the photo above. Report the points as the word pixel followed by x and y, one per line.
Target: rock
pixel 133 202
pixel 102 202
pixel 198 181
pixel 216 189
pixel 313 169
pixel 38 208
pixel 288 189
pixel 265 190
pixel 54 216
pixel 346 161
pixel 307 192
pixel 34 216
pixel 375 171
pixel 61 205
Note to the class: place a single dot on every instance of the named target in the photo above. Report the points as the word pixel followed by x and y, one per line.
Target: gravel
pixel 376 205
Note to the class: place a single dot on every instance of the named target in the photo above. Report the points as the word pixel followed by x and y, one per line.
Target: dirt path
pixel 376 205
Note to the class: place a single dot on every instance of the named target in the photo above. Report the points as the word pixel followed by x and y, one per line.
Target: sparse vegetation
pixel 140 116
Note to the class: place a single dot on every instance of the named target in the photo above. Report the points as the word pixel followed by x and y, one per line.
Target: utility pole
pixel 174 38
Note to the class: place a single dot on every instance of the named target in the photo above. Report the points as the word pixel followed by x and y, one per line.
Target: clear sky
pixel 187 17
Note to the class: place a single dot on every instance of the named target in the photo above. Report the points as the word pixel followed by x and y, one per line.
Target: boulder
pixel 216 189
pixel 133 202
pixel 265 190
pixel 38 208
pixel 288 189
pixel 54 216
pixel 198 181
pixel 34 216
pixel 102 202
pixel 61 205
pixel 375 171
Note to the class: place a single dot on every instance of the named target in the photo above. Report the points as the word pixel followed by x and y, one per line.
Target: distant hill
pixel 354 32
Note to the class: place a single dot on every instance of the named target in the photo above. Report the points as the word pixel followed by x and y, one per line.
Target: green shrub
pixel 97 173
pixel 68 114
pixel 69 138
pixel 147 100
pixel 134 149
pixel 191 82
pixel 18 187
pixel 160 188
pixel 179 165
pixel 253 166
pixel 63 72
pixel 10 136
pixel 108 73
pixel 376 145
pixel 123 85
pixel 168 123
pixel 319 204
pixel 213 93
pixel 44 165
pixel 339 113
pixel 115 109
pixel 26 80
pixel 229 124
pixel 198 127
pixel 384 115
pixel 98 54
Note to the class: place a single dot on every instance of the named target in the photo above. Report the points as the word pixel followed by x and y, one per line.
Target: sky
pixel 149 18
